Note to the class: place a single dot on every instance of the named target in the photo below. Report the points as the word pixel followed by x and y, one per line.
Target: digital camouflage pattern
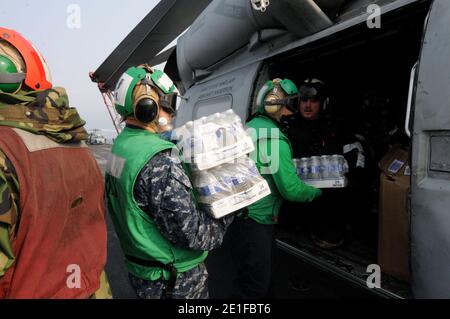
pixel 39 112
pixel 192 284
pixel 164 191
pixel 43 112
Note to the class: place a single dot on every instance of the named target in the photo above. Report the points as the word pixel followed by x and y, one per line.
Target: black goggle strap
pixel 167 102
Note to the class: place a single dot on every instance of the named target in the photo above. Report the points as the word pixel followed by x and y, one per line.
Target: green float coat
pixel 274 156
pixel 138 234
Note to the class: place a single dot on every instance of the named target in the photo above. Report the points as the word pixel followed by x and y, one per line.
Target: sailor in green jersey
pixel 252 235
pixel 164 236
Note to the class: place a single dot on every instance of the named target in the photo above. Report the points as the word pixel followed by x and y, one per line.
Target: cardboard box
pixel 394 219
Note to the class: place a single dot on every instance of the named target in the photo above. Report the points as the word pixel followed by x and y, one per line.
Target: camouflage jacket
pixel 9 207
pixel 162 190
pixel 39 112
pixel 43 112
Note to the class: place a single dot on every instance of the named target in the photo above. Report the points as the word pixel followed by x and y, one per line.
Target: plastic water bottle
pixel 213 118
pixel 203 120
pixel 303 168
pixel 208 187
pixel 236 124
pixel 231 115
pixel 184 135
pixel 325 166
pixel 224 133
pixel 251 166
pixel 241 175
pixel 314 167
pixel 195 144
pixel 224 176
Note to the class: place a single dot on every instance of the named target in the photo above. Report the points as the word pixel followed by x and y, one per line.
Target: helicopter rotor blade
pixel 162 57
pixel 167 20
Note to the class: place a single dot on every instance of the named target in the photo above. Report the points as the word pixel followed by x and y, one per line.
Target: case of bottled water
pixel 213 140
pixel 229 187
pixel 224 177
pixel 326 171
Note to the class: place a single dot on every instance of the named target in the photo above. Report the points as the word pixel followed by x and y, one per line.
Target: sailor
pixel 52 215
pixel 163 234
pixel 314 132
pixel 252 234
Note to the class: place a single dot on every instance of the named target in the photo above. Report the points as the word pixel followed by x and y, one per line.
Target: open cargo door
pixel 430 189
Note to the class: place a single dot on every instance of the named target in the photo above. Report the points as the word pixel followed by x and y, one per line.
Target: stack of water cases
pixel 326 171
pixel 216 148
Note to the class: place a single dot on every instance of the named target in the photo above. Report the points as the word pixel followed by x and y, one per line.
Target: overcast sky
pixel 72 52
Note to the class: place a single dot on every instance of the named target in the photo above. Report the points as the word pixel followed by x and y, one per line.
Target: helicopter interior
pixel 367 72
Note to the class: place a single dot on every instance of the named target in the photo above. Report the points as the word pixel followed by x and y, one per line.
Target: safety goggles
pixel 6 78
pixel 168 103
pixel 161 80
pixel 288 87
pixel 167 96
pixel 290 102
pixel 307 92
pixel 157 78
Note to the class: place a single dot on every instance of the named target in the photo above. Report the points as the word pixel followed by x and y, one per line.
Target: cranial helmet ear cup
pixel 146 110
pixel 272 108
pixel 146 103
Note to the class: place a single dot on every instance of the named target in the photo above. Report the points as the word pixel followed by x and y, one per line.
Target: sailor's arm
pixel 284 174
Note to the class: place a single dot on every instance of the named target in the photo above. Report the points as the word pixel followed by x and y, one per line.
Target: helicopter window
pixel 213 105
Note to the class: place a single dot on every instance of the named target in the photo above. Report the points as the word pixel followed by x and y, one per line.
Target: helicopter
pixel 227 49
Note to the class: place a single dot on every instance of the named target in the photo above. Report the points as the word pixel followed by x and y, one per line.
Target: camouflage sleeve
pixel 9 201
pixel 164 191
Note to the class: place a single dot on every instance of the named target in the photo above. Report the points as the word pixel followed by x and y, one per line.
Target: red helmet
pixel 37 72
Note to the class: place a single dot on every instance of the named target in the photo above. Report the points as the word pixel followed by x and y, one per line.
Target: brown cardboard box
pixel 394 220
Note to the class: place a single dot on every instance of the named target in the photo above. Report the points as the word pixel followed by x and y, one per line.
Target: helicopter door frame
pixel 430 183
